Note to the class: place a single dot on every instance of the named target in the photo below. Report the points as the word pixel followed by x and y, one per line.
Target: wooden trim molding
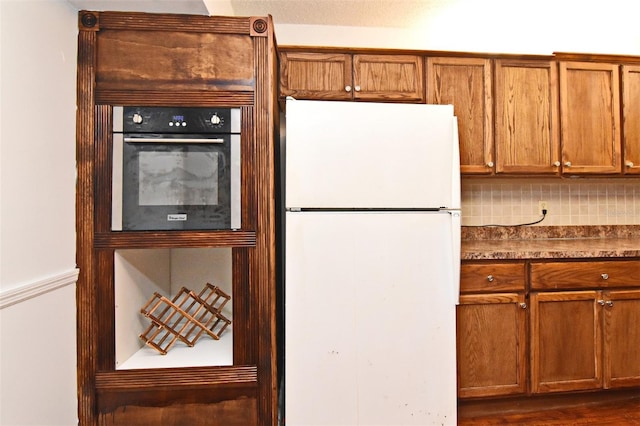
pixel 38 288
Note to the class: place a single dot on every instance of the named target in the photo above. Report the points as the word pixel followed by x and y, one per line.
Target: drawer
pixel 596 274
pixel 490 277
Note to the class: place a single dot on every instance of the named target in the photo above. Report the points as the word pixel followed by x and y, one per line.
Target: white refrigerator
pixel 372 257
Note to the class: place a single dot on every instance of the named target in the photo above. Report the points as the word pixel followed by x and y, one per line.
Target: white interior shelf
pixel 206 352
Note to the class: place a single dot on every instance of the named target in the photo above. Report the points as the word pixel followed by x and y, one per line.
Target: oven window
pixel 176 186
pixel 177 178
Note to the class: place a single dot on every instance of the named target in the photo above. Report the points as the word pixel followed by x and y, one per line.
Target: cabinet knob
pixel 629 164
pixel 567 164
pixel 556 164
pixel 347 88
pixel 610 303
pixel 523 305
pixel 490 278
pixel 490 164
pixel 357 88
pixel 601 302
pixel 605 276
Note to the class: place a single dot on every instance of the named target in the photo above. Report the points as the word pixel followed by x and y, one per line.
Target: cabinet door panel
pixel 631 112
pixel 565 341
pixel 622 338
pixel 466 84
pixel 527 132
pixel 141 60
pixel 388 77
pixel 590 109
pixel 491 345
pixel 315 75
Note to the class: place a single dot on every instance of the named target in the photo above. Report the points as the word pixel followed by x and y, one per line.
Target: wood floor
pixel 617 412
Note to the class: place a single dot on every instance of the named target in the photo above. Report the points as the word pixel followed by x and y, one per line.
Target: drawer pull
pixel 490 278
pixel 601 302
pixel 610 303
pixel 605 276
pixel 523 305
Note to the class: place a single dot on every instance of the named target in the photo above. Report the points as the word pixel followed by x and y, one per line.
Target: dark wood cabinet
pixel 177 60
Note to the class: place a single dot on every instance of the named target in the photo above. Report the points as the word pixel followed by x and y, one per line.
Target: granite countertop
pixel 550 242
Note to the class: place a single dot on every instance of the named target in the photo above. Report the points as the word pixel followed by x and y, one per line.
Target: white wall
pixel 499 26
pixel 37 215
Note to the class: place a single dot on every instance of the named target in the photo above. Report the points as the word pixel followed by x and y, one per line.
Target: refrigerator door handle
pixel 456 225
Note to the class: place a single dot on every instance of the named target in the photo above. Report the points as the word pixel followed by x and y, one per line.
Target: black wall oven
pixel 176 168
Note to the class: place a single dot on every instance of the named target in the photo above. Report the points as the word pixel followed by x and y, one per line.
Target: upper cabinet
pixel 590 112
pixel 466 84
pixel 630 117
pixel 518 115
pixel 347 76
pixel 526 124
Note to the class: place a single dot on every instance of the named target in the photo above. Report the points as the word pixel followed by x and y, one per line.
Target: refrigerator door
pixel 369 319
pixel 371 155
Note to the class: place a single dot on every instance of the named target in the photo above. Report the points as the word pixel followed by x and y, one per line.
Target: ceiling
pixel 358 13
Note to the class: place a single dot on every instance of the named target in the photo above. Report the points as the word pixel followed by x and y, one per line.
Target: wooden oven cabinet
pixel 491 330
pixel 584 325
pixel 177 60
pixel 325 74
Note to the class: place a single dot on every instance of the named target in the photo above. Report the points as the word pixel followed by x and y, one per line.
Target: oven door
pixel 176 182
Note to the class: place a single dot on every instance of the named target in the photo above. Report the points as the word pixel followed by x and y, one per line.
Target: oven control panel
pixel 177 119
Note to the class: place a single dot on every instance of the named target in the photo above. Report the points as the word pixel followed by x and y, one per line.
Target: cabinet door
pixel 491 332
pixel 305 75
pixel 526 124
pixel 630 114
pixel 621 339
pixel 590 111
pixel 466 84
pixel 388 77
pixel 566 341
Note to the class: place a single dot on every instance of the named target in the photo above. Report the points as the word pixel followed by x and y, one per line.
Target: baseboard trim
pixel 37 288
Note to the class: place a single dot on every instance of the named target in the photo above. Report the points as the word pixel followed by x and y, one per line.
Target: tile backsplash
pixel 604 201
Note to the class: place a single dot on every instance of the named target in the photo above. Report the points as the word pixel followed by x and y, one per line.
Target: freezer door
pixel 361 154
pixel 369 319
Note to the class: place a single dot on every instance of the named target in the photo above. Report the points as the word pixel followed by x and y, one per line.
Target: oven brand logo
pixel 181 217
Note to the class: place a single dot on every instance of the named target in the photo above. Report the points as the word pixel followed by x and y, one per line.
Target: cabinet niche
pixel 141 273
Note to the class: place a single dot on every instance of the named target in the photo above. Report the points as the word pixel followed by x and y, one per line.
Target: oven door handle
pixel 175 140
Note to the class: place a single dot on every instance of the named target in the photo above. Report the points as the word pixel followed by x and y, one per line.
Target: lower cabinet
pixel 491 329
pixel 540 327
pixel 584 339
pixel 566 341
